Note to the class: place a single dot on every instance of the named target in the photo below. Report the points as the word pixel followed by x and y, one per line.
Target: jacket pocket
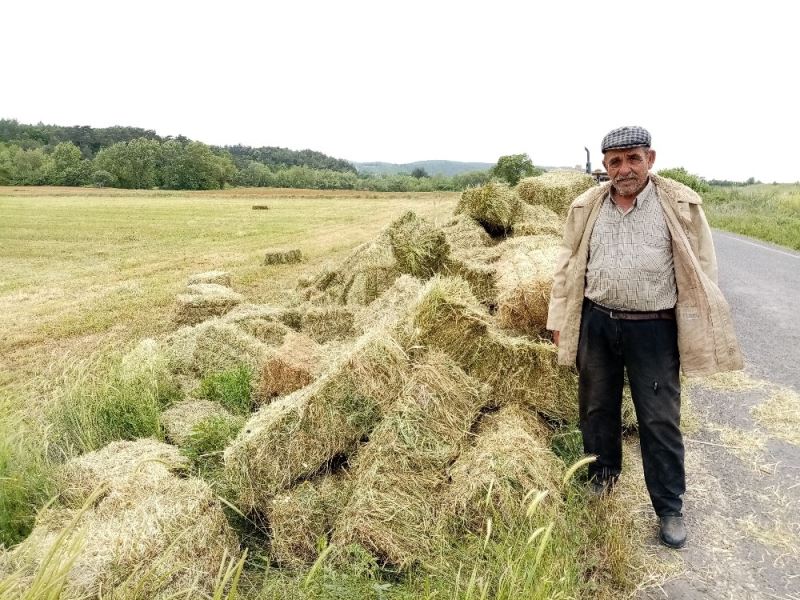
pixel 693 336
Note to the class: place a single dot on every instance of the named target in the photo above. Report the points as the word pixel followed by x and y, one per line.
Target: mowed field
pixel 85 270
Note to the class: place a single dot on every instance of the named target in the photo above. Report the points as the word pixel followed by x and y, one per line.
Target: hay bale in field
pixel 145 460
pixel 271 333
pixel 145 540
pixel 556 189
pixel 367 272
pixel 465 233
pixel 392 510
pixel 524 281
pixel 447 316
pixel 327 323
pixel 420 249
pixel 538 220
pixel 282 256
pixel 296 435
pixel 217 277
pixel 203 301
pixel 223 346
pixel 477 268
pixel 510 457
pixel 390 305
pixel 260 207
pixel 290 367
pixel 244 313
pixel 303 515
pixel 180 418
pixel 148 366
pixel 494 205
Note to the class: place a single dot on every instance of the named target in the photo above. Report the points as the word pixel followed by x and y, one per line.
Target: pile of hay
pixel 465 233
pixel 524 281
pixel 419 248
pixel 180 419
pixel 393 507
pixel 494 205
pixel 282 256
pixel 302 517
pixel 297 435
pixel 203 301
pixel 292 366
pixel 556 190
pixel 216 277
pixel 222 346
pixel 509 459
pixel 150 535
pixel 389 305
pixel 328 322
pixel 448 317
pixel 145 461
pixel 538 220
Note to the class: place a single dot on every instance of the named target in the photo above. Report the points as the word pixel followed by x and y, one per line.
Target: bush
pixel 102 178
pixel 681 175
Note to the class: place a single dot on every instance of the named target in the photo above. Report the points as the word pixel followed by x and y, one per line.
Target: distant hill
pixel 432 167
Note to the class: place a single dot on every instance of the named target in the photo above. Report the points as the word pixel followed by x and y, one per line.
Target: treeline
pixel 135 158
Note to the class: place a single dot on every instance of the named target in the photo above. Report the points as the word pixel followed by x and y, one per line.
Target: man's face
pixel 628 169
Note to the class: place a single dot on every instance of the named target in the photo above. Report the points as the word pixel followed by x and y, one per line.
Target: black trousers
pixel 648 350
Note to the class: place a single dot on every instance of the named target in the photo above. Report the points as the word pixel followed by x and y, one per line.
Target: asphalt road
pixel 762 284
pixel 743 484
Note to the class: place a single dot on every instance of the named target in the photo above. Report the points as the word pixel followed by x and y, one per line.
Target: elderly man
pixel 635 290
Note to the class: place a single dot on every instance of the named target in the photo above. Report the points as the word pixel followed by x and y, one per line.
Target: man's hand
pixel 556 335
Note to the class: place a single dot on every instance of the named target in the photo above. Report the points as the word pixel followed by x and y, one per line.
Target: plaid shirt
pixel 630 256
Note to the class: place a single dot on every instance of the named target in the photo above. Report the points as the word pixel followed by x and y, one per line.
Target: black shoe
pixel 601 486
pixel 673 531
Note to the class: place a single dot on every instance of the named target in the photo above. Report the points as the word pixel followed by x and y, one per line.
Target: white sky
pixel 714 82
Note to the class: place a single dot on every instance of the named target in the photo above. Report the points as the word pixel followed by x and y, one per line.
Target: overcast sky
pixel 715 82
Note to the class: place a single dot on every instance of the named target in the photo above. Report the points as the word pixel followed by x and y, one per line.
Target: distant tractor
pixel 599 175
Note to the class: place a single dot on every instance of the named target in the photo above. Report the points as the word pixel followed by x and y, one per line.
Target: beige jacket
pixel 706 340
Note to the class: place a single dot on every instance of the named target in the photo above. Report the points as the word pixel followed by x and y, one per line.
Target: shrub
pixel 681 175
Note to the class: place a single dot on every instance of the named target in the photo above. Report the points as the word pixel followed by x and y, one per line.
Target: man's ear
pixel 651 158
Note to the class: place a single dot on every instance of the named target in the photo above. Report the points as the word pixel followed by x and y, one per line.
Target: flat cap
pixel 630 136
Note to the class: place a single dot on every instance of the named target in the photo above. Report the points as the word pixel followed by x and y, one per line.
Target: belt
pixel 667 314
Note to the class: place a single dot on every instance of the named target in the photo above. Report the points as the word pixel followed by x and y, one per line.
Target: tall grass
pixel 231 388
pixel 767 212
pixel 104 399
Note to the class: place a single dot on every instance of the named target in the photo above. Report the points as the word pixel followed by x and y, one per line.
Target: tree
pixel 514 167
pixel 133 163
pixel 65 166
pixel 419 173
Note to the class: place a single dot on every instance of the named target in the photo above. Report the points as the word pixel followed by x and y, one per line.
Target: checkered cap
pixel 630 136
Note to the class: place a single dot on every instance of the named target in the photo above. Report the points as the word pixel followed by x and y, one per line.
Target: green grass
pixel 767 212
pixel 232 389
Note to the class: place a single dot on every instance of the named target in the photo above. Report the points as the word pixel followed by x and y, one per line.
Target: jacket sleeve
pixel 558 295
pixel 705 245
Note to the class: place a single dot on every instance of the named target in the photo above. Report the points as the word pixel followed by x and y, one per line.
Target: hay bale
pixel 465 233
pixel 447 316
pixel 148 366
pixel 217 277
pixel 420 249
pixel 390 305
pixel 368 284
pixel 282 256
pixel 290 367
pixel 538 220
pixel 260 207
pixel 477 268
pixel 145 540
pixel 392 510
pixel 296 435
pixel 223 346
pixel 145 460
pixel 524 281
pixel 302 516
pixel 510 457
pixel 203 301
pixel 244 313
pixel 494 205
pixel 327 323
pixel 180 418
pixel 556 189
